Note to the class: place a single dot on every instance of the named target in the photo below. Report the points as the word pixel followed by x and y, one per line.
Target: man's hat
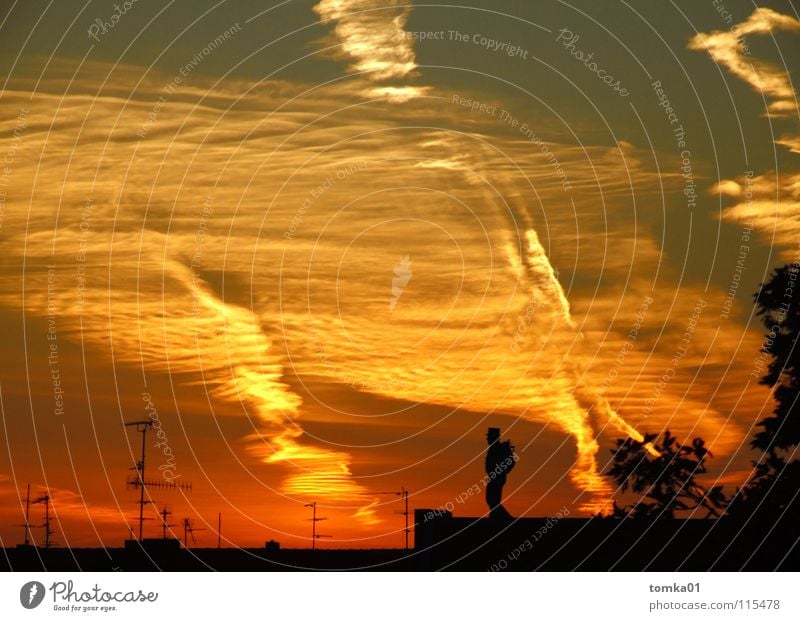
pixel 493 431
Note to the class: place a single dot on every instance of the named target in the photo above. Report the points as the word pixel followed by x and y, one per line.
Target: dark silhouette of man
pixel 499 461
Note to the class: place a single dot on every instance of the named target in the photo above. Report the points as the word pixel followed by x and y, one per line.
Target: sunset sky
pixel 329 243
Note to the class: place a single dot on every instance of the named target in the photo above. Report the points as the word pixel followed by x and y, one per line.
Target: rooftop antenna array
pixel 139 481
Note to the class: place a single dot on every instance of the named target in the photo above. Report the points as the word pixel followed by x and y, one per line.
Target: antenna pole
pixel 28 516
pixel 142 426
pixel 188 529
pixel 403 493
pixel 405 497
pixel 219 530
pixel 47 531
pixel 314 526
pixel 165 513
pixel 314 520
pixel 143 430
pixel 47 521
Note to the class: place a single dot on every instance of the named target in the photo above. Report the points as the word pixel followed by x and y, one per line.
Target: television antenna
pixel 139 480
pixel 403 493
pixel 27 524
pixel 188 529
pixel 45 500
pixel 314 519
pixel 165 513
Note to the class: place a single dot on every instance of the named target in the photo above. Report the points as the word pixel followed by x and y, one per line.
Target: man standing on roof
pixel 500 460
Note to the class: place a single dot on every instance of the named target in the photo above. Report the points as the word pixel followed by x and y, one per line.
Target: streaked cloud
pixel 768 202
pixel 770 205
pixel 311 194
pixel 372 36
pixel 725 47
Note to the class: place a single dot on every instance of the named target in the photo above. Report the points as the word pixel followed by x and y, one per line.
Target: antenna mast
pixel 27 524
pixel 165 513
pixel 404 491
pixel 314 519
pixel 47 530
pixel 188 529
pixel 404 494
pixel 143 426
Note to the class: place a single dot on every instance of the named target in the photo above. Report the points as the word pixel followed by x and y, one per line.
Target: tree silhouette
pixel 780 314
pixel 775 481
pixel 667 482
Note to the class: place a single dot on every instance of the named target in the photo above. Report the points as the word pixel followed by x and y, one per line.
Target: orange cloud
pixel 248 213
pixel 371 35
pixel 726 48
